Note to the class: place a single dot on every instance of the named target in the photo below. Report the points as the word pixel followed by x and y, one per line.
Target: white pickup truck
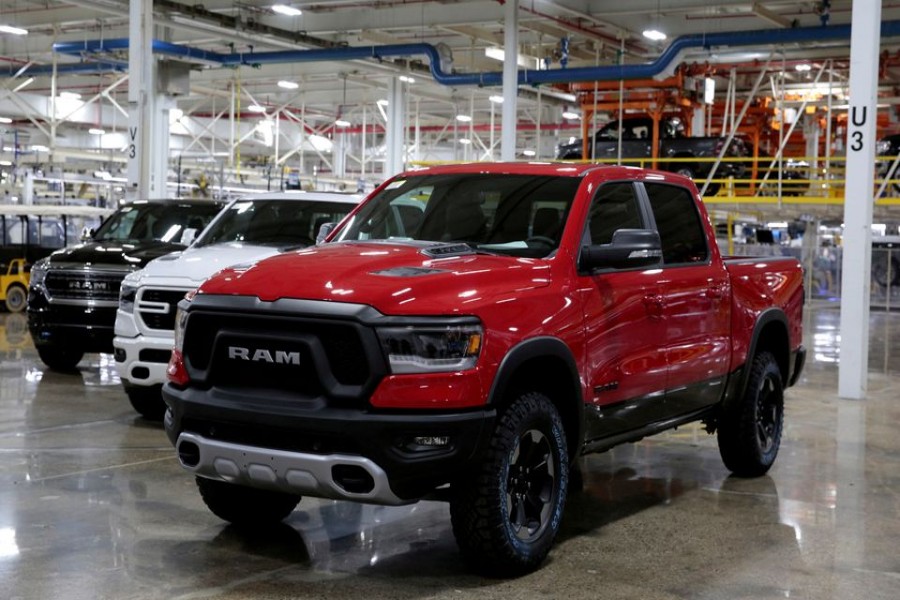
pixel 247 230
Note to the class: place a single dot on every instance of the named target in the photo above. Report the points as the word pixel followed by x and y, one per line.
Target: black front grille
pixel 305 358
pixel 159 317
pixel 83 285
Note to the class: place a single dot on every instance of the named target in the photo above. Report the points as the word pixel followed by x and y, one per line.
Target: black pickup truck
pixel 637 136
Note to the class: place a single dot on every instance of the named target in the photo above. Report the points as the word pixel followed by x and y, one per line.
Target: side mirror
pixel 188 236
pixel 324 230
pixel 630 248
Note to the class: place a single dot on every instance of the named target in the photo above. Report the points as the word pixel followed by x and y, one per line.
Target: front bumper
pixel 312 449
pixel 87 328
pixel 142 361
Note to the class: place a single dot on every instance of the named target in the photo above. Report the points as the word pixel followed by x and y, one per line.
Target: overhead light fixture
pixel 463 118
pixel 496 99
pixel 5 120
pixel 406 79
pixel 803 67
pixel 288 11
pixel 256 108
pixel 465 141
pixel 381 102
pixel 654 35
pixel 526 62
pixel 96 131
pixel 5 163
pixel 13 30
pixel 342 123
pixel 70 95
pixel 569 114
pixel 40 148
pixel 288 85
pixel 529 152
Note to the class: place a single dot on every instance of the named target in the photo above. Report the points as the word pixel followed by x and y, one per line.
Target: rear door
pixel 696 303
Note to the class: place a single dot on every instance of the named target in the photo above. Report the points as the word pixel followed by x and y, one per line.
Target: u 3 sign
pixel 858 117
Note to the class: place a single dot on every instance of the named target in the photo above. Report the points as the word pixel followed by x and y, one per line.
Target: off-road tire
pixel 245 506
pixel 16 298
pixel 60 358
pixel 147 401
pixel 506 515
pixel 749 432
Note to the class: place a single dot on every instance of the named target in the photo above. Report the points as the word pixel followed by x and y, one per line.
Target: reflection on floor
pixel 93 505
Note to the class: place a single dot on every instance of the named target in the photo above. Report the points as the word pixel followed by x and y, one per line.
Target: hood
pixel 113 253
pixel 194 265
pixel 395 278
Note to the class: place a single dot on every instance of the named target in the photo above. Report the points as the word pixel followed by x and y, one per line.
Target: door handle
pixel 654 305
pixel 715 292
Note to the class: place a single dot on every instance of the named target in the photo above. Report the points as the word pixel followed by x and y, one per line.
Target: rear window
pixel 678 222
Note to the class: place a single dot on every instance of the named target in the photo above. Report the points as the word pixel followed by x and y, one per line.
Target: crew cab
pixel 533 314
pixel 637 142
pixel 247 230
pixel 73 293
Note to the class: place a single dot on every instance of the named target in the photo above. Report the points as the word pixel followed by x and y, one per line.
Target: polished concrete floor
pixel 93 505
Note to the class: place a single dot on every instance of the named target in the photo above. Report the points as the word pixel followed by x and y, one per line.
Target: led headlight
pixel 127 295
pixel 39 272
pixel 431 349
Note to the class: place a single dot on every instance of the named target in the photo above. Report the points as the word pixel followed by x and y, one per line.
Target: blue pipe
pixel 764 37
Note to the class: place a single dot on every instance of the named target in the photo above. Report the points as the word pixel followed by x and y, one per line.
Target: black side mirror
pixel 324 230
pixel 630 248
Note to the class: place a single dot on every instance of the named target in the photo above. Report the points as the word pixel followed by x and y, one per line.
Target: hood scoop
pixel 445 250
pixel 407 272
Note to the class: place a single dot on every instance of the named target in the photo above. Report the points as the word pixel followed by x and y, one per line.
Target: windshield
pixel 274 222
pixel 159 222
pixel 519 215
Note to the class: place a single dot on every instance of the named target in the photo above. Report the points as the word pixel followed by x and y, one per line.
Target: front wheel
pixel 147 401
pixel 749 432
pixel 506 516
pixel 244 506
pixel 60 358
pixel 16 298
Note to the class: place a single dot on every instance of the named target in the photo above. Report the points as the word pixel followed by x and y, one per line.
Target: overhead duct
pixel 441 74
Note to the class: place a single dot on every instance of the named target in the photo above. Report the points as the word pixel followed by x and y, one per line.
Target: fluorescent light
pixel 71 95
pixel 526 62
pixel 496 99
pixel 96 131
pixel 463 118
pixel 288 11
pixel 654 34
pixel 342 123
pixel 529 152
pixel 256 108
pixel 406 79
pixel 5 120
pixel 803 67
pixel 5 163
pixel 381 102
pixel 465 141
pixel 13 30
pixel 39 148
pixel 570 115
pixel 288 85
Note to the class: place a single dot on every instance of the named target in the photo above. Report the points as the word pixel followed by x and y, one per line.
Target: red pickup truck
pixel 466 334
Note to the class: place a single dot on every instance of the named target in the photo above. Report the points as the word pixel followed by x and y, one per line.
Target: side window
pixel 614 207
pixel 680 231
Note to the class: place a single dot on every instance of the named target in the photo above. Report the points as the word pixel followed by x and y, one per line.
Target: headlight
pixel 127 295
pixel 181 319
pixel 39 272
pixel 431 349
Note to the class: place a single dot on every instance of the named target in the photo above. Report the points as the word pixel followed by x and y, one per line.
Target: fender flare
pixel 770 315
pixel 538 347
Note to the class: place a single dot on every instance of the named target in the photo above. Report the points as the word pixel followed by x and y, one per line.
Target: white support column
pixel 147 147
pixel 395 126
pixel 509 119
pixel 865 38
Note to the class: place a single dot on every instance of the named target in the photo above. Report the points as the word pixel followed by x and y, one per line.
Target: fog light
pixel 432 440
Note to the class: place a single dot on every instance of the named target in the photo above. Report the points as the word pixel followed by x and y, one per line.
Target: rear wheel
pixel 749 432
pixel 16 298
pixel 506 517
pixel 60 358
pixel 147 401
pixel 244 506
